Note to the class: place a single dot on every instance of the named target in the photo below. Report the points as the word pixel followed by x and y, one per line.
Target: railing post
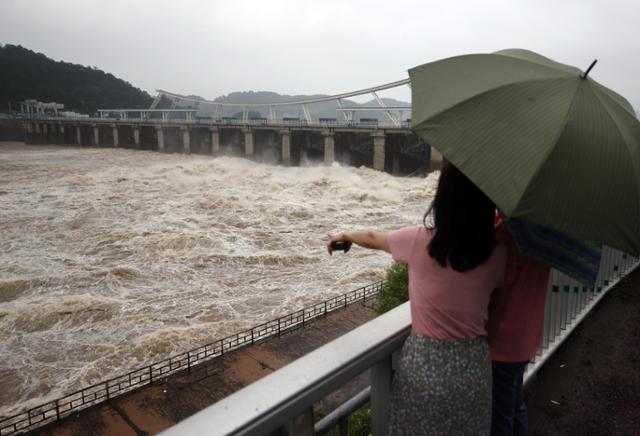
pixel 565 305
pixel 380 396
pixel 302 424
pixel 343 426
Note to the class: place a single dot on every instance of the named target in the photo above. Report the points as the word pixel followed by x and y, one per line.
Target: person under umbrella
pixel 552 148
pixel 516 317
pixel 443 383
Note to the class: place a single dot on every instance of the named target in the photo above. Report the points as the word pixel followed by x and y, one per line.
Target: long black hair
pixel 463 222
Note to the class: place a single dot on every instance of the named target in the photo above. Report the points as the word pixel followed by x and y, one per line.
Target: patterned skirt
pixel 442 388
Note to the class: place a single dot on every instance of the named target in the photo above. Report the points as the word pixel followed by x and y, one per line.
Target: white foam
pixel 117 257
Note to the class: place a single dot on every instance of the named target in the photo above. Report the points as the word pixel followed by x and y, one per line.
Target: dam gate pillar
pixel 136 137
pixel 96 135
pixel 286 147
pixel 329 147
pixel 63 136
pixel 378 151
pixel 186 140
pixel 215 141
pixel 160 135
pixel 248 142
pixel 36 133
pixel 116 139
pixel 45 133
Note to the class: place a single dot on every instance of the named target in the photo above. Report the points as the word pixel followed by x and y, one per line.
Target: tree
pixel 25 74
pixel 395 290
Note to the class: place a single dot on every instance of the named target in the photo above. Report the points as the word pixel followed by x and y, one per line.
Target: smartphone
pixel 340 246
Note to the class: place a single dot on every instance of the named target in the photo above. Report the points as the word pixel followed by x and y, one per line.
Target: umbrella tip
pixel 584 75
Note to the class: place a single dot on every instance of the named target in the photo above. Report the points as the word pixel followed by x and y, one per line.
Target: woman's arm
pixel 366 239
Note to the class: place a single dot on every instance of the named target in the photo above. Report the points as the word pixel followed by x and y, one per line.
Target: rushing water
pixel 111 259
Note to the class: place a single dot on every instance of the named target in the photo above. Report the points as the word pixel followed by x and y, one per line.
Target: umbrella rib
pixel 614 96
pixel 613 119
pixel 597 93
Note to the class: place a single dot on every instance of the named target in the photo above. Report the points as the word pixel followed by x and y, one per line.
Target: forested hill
pixel 25 74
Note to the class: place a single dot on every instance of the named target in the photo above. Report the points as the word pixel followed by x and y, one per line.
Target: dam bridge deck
pixel 384 147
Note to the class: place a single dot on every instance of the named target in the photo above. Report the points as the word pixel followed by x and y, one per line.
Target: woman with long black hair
pixel 443 382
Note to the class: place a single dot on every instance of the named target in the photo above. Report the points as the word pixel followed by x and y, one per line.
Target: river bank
pixel 155 408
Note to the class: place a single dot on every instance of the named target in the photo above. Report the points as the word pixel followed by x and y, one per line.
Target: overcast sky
pixel 211 48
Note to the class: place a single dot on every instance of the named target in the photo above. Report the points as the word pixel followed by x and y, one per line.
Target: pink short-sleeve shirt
pixel 446 304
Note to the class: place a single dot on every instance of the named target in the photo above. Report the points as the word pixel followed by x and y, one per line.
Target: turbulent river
pixel 111 259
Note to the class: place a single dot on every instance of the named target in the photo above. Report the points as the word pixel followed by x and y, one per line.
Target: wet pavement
pixel 591 386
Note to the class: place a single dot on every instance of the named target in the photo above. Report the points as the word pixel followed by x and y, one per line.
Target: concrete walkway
pixel 155 408
pixel 591 386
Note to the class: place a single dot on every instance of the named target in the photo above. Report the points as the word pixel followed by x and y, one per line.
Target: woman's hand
pixel 366 239
pixel 338 238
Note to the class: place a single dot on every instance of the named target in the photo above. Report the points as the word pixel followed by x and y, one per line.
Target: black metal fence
pixel 104 391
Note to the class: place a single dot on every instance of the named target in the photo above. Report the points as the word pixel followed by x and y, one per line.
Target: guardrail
pixel 569 302
pixel 114 387
pixel 286 397
pixel 225 122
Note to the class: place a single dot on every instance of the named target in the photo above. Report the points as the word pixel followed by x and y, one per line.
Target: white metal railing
pixel 369 123
pixel 310 100
pixel 568 302
pixel 286 397
pixel 146 114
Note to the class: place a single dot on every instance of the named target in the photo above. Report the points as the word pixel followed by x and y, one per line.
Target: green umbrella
pixel 543 140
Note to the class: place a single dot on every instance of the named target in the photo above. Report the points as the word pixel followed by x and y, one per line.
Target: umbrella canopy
pixel 544 141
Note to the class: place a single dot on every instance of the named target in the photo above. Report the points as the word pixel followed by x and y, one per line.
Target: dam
pixel 395 150
pixel 377 137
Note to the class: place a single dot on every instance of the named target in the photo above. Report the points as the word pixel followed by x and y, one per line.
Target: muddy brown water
pixel 112 259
